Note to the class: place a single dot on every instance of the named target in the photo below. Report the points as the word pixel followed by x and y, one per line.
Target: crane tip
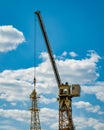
pixel 36 12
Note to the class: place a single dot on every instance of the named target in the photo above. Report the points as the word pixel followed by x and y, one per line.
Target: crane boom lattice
pixel 35 121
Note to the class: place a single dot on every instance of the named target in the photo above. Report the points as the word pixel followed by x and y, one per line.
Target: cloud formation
pixel 19 115
pixel 10 38
pixel 46 115
pixel 88 107
pixel 73 54
pixel 73 71
pixel 96 88
pixel 17 85
pixel 51 116
pixel 83 123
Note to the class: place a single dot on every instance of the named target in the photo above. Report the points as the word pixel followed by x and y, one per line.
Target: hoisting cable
pixel 35 35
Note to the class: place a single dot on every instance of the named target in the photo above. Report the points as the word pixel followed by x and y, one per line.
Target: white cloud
pixel 82 123
pixel 16 85
pixel 7 127
pixel 97 89
pixel 54 126
pixel 94 56
pixel 88 107
pixel 10 38
pixel 19 115
pixel 51 117
pixel 72 71
pixel 44 56
pixel 19 83
pixel 79 71
pixel 46 115
pixel 45 100
pixel 73 54
pixel 64 53
pixel 13 103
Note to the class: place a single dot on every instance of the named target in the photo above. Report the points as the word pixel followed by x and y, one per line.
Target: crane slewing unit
pixel 66 91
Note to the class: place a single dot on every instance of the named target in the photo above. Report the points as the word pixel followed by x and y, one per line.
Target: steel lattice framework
pixel 35 121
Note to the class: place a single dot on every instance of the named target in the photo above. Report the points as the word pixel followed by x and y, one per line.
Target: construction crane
pixel 66 91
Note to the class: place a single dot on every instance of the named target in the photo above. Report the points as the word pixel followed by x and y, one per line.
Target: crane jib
pixel 53 63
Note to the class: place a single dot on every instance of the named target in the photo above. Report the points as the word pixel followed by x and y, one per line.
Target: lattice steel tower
pixel 35 121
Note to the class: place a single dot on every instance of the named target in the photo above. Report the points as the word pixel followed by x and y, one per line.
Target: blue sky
pixel 75 30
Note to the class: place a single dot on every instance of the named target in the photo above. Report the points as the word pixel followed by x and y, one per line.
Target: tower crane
pixel 66 91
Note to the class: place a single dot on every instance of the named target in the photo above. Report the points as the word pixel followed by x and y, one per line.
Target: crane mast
pixel 35 121
pixel 66 91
